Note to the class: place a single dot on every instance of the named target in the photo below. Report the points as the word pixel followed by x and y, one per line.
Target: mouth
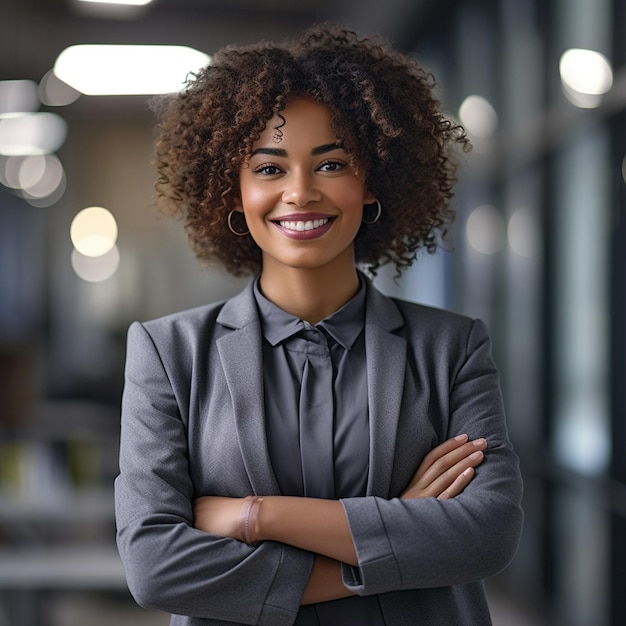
pixel 303 225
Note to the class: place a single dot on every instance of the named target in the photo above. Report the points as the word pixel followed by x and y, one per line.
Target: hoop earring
pixel 230 225
pixel 377 216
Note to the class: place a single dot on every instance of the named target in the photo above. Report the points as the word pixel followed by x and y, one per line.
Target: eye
pixel 331 166
pixel 267 170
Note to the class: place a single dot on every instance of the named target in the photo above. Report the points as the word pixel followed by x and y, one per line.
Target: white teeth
pixel 308 225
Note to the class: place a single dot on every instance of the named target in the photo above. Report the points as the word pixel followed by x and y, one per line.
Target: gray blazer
pixel 193 424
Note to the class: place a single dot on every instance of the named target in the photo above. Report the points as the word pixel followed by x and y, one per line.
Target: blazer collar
pixel 381 310
pixel 240 310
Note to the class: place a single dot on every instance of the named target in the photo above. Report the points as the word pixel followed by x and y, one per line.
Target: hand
pixel 446 470
pixel 218 515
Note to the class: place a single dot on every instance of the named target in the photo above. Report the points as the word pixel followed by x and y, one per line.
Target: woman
pixel 311 451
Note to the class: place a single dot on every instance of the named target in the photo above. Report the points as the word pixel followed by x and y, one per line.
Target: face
pixel 302 200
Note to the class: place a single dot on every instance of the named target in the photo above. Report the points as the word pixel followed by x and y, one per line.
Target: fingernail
pixel 476 455
pixel 460 438
pixel 480 442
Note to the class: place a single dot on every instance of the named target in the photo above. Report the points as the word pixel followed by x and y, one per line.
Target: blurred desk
pixel 61 540
pixel 27 575
pixel 57 524
pixel 59 516
pixel 83 506
pixel 61 567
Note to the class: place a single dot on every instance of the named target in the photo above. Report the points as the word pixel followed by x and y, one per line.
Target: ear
pixel 237 205
pixel 369 197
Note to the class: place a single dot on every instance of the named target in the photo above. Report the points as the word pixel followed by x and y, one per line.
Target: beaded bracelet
pixel 248 517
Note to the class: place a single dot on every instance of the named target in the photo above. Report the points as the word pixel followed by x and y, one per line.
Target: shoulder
pixel 188 333
pixel 428 318
pixel 420 323
pixel 173 340
pixel 395 314
pixel 439 333
pixel 443 342
pixel 202 321
pixel 186 320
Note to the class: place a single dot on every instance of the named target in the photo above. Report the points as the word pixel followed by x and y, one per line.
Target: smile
pixel 301 225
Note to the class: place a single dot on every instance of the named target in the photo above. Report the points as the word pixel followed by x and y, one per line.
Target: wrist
pixel 248 520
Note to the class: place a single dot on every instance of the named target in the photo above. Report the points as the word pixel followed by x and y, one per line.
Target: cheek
pixel 253 197
pixel 353 197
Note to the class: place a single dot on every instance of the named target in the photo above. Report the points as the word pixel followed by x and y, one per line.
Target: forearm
pixel 432 543
pixel 316 525
pixel 325 582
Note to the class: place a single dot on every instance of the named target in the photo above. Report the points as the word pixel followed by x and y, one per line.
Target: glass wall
pixel 539 255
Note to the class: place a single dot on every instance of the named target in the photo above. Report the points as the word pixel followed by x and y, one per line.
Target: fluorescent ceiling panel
pixel 134 3
pixel 107 69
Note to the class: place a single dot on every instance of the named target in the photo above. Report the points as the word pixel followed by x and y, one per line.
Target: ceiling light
pixel 133 3
pixel 107 69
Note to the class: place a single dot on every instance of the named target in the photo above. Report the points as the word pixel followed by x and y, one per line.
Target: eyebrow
pixel 280 152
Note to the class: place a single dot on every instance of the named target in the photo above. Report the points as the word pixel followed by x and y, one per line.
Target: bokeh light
pixel 39 179
pixel 485 229
pixel 31 133
pixel 54 92
pixel 40 175
pixel 586 75
pixel 523 233
pixel 478 116
pixel 93 231
pixel 95 269
pixel 18 96
pixel 10 171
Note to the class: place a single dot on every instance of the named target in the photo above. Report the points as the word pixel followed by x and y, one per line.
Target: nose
pixel 300 189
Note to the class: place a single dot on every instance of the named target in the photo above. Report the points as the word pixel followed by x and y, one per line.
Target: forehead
pixel 300 120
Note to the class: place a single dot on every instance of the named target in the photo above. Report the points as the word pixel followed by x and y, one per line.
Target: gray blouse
pixel 316 408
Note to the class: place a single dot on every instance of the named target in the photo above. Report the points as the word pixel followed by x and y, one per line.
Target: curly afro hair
pixel 384 113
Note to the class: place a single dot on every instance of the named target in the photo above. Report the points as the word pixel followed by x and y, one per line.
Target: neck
pixel 310 295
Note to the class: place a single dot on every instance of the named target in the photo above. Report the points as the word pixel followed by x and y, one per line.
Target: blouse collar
pixel 344 325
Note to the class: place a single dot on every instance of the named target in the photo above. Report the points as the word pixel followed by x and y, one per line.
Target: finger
pixel 438 452
pixel 458 485
pixel 456 473
pixel 444 482
pixel 442 465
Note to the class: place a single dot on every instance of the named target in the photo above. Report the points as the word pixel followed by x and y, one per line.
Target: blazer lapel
pixel 386 365
pixel 242 361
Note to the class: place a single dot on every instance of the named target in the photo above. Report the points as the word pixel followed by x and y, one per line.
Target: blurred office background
pixel 539 253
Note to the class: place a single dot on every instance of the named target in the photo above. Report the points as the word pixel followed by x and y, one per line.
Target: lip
pixel 303 235
pixel 301 217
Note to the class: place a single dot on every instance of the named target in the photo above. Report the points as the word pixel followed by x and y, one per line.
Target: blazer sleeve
pixel 170 565
pixel 425 543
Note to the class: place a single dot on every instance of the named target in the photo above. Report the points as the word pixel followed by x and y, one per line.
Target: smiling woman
pixel 310 451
